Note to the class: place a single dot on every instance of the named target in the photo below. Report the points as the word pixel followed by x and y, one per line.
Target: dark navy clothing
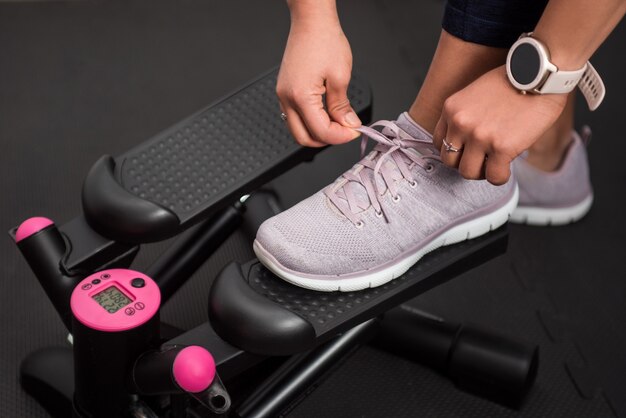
pixel 496 23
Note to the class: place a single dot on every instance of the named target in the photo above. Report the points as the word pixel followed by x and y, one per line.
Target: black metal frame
pixel 61 257
pixel 46 374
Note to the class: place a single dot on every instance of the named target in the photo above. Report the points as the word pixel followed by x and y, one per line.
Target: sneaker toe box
pixel 310 239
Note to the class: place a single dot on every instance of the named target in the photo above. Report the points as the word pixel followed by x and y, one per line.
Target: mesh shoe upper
pixel 416 198
pixel 567 186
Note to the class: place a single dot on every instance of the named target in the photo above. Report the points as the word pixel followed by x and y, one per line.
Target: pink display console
pixel 115 300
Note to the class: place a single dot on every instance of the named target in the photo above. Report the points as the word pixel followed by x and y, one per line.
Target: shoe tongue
pixel 357 190
pixel 406 123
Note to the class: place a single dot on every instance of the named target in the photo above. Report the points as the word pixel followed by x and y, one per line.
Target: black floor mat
pixel 81 79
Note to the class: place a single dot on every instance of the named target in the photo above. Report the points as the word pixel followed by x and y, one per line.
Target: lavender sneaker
pixel 380 217
pixel 559 197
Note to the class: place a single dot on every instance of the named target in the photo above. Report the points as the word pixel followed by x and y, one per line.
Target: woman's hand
pixel 492 123
pixel 317 61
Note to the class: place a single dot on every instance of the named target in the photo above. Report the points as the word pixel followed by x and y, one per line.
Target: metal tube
pixel 185 256
pixel 301 372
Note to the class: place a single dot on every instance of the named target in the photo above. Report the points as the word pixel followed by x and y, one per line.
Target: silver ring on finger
pixel 283 116
pixel 449 147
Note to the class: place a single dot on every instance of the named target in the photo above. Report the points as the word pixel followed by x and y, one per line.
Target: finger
pixel 472 163
pixel 452 158
pixel 318 123
pixel 498 168
pixel 298 129
pixel 440 133
pixel 338 103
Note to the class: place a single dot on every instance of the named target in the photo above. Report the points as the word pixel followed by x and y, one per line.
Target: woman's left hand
pixel 492 123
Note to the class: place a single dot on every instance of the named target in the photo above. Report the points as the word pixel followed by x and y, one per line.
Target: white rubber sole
pixel 537 216
pixel 468 230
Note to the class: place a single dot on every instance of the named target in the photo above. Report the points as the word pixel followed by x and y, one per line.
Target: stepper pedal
pixel 198 166
pixel 252 309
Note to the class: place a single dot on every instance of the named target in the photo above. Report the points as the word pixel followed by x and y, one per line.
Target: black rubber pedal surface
pixel 197 160
pixel 284 319
pixel 198 165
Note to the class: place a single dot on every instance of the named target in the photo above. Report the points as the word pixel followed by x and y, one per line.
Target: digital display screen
pixel 111 299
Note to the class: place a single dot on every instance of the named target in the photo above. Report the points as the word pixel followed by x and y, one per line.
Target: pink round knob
pixel 31 226
pixel 194 369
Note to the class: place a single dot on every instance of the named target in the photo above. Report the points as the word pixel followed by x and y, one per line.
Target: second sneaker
pixel 380 217
pixel 558 197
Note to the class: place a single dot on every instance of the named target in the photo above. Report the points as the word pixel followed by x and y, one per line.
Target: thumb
pixel 338 104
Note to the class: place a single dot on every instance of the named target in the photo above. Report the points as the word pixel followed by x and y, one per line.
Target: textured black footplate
pixel 252 309
pixel 198 166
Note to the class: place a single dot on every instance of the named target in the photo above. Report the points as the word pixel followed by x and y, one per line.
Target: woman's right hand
pixel 317 61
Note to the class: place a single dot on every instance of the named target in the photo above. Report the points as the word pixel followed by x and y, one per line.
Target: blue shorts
pixel 496 23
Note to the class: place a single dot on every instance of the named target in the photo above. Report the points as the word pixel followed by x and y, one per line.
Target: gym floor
pixel 80 79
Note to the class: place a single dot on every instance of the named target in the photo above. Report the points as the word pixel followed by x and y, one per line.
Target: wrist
pixel 562 54
pixel 558 100
pixel 313 12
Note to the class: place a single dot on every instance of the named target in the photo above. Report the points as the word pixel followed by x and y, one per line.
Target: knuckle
pixel 501 146
pixel 482 135
pixel 298 97
pixel 294 92
pixel 497 142
pixel 448 106
pixel 316 135
pixel 282 96
pixel 340 105
pixel 467 173
pixel 497 179
pixel 341 80
pixel 284 89
pixel 461 121
pixel 291 93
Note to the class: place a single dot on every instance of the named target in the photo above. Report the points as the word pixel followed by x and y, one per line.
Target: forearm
pixel 574 29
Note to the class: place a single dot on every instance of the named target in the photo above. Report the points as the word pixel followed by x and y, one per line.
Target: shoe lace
pixel 392 143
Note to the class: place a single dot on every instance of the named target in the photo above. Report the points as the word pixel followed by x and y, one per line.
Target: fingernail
pixel 352 119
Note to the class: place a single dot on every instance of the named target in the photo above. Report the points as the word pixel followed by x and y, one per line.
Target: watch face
pixel 525 64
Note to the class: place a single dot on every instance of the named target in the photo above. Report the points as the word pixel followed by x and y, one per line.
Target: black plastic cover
pixel 252 319
pixel 114 211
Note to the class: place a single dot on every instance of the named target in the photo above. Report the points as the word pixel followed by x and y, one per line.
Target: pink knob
pixel 31 226
pixel 194 369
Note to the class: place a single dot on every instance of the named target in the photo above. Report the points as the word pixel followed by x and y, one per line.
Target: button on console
pixel 137 282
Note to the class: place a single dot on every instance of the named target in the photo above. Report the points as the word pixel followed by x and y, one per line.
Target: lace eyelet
pixel 378 214
pixel 413 184
pixel 359 224
pixel 430 168
pixel 396 199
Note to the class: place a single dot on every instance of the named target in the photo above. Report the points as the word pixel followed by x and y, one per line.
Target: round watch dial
pixel 525 64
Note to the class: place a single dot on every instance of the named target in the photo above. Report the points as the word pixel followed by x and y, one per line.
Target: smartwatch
pixel 530 70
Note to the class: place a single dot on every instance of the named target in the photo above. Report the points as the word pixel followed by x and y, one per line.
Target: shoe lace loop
pixel 392 143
